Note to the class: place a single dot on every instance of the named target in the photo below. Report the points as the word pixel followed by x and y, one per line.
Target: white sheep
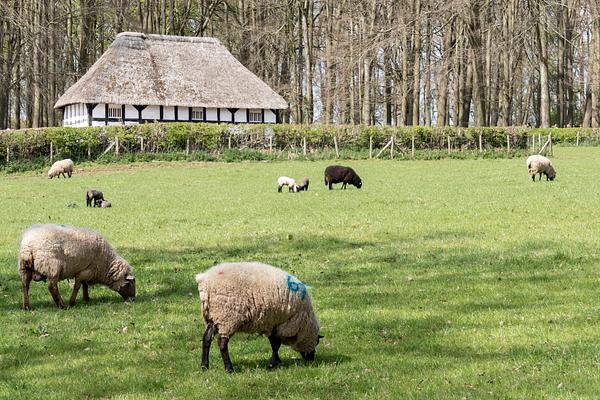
pixel 61 167
pixel 287 181
pixel 56 252
pixel 542 165
pixel 253 297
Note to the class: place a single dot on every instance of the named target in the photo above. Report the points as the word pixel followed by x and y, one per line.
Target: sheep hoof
pixel 26 307
pixel 229 370
pixel 204 367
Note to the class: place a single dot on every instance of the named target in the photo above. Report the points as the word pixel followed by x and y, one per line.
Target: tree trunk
pixel 416 89
pixel 542 44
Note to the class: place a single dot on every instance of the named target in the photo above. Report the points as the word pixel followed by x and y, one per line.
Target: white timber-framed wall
pixel 80 115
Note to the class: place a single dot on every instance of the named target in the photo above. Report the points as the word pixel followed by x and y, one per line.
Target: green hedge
pixel 223 139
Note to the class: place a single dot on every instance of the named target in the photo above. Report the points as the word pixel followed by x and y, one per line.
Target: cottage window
pixel 255 116
pixel 198 114
pixel 114 112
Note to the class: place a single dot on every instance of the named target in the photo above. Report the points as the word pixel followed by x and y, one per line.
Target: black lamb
pixel 93 195
pixel 344 175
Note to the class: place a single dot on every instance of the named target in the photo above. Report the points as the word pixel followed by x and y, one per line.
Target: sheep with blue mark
pixel 252 297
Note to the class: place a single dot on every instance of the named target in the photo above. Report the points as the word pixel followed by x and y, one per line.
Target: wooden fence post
pixel 187 147
pixel 304 145
pixel 448 144
pixel 8 153
pixel 116 145
pixel 370 146
pixel 539 139
pixel 335 143
pixel 51 152
pixel 142 144
pixel 550 140
pixel 413 145
pixel 480 144
pixel 577 138
pixel 229 142
pixel 89 152
pixel 508 143
pixel 392 147
pixel 270 144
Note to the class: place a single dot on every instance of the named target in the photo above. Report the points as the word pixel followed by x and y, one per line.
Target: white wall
pixel 183 113
pixel 131 112
pixel 98 111
pixel 151 112
pixel 240 115
pixel 211 114
pixel 76 115
pixel 169 113
pixel 270 117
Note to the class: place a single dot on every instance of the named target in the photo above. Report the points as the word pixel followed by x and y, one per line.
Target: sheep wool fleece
pixel 62 252
pixel 258 298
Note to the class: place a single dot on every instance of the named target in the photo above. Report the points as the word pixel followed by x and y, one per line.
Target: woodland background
pixel 371 62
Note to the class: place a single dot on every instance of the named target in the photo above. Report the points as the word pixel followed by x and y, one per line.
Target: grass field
pixel 438 279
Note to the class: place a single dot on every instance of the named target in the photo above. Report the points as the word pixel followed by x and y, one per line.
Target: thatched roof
pixel 141 69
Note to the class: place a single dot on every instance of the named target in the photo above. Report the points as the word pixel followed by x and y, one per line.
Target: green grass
pixel 438 279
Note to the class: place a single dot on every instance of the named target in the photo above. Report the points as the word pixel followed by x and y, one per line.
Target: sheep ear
pixel 321 336
pixel 130 277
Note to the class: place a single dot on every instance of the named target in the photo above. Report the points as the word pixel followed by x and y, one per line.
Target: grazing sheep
pixel 58 252
pixel 337 174
pixel 286 181
pixel 303 185
pixel 542 165
pixel 256 298
pixel 105 204
pixel 93 195
pixel 61 167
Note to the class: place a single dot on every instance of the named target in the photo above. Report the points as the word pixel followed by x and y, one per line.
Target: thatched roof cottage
pixel 143 78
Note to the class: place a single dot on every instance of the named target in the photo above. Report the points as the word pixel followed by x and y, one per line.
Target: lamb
pixel 253 297
pixel 105 204
pixel 542 165
pixel 287 181
pixel 58 252
pixel 61 167
pixel 337 174
pixel 94 196
pixel 303 185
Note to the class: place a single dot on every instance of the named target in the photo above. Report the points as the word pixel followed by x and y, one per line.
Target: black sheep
pixel 93 195
pixel 344 175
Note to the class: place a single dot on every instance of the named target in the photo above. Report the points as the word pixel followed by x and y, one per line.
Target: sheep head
pixel 123 281
pixel 551 173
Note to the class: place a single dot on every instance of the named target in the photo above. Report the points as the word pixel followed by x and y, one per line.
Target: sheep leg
pixel 86 295
pixel 206 342
pixel 330 186
pixel 279 188
pixel 26 276
pixel 344 185
pixel 53 288
pixel 223 346
pixel 275 344
pixel 76 287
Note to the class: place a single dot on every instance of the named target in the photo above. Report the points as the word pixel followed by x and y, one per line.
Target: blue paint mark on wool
pixel 295 286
